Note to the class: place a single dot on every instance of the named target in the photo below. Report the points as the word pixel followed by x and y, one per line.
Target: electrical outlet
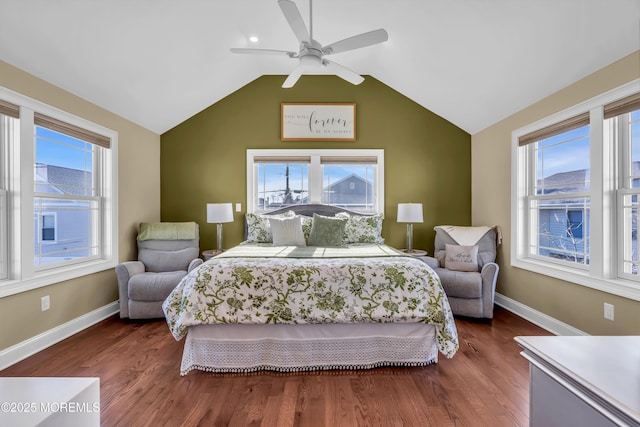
pixel 45 303
pixel 608 311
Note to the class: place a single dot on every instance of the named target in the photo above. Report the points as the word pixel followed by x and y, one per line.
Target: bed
pixel 263 305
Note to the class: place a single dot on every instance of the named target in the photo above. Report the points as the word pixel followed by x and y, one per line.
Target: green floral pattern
pixel 362 229
pixel 312 290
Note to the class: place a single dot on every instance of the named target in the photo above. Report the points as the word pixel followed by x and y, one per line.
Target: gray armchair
pixel 470 293
pixel 166 253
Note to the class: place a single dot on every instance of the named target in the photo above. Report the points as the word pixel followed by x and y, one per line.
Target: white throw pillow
pixel 461 258
pixel 287 231
pixel 258 228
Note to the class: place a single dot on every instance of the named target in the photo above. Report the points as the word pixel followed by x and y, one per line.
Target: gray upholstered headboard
pixel 309 210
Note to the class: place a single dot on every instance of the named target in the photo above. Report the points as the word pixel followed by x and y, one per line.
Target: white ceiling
pixel 473 62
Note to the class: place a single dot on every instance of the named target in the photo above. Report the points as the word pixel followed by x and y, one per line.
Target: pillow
pixel 327 231
pixel 362 229
pixel 258 227
pixel 461 258
pixel 287 231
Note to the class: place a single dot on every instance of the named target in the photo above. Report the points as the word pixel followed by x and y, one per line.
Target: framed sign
pixel 318 122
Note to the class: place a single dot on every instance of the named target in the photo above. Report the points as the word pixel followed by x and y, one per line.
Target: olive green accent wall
pixel 427 159
pixel 576 305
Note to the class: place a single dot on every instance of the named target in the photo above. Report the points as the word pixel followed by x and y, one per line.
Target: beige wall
pixel 427 159
pixel 575 305
pixel 139 200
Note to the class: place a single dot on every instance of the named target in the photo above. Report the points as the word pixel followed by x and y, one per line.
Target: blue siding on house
pixel 352 191
pixel 555 238
pixel 72 217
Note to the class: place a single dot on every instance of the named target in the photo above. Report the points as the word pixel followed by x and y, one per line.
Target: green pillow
pixel 327 231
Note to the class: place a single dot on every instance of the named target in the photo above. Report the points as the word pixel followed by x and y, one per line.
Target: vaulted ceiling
pixel 473 62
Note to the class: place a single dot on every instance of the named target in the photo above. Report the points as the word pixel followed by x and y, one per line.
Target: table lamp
pixel 410 213
pixel 218 213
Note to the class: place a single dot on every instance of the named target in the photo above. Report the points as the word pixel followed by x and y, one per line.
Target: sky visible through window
pixel 566 152
pixel 575 155
pixel 56 149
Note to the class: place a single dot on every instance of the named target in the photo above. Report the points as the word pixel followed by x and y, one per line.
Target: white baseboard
pixel 20 351
pixel 552 325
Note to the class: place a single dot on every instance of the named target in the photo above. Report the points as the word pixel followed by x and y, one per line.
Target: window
pixel 48 227
pixel 575 193
pixel 60 213
pixel 623 126
pixel 282 181
pixel 559 191
pixel 347 178
pixel 575 224
pixel 64 194
pixel 349 182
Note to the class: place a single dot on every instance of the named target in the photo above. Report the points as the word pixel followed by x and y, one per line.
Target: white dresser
pixel 583 380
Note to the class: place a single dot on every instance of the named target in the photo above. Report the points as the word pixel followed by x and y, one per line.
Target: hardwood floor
pixel 485 384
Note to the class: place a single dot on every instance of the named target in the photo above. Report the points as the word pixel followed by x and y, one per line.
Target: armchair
pixel 166 253
pixel 470 293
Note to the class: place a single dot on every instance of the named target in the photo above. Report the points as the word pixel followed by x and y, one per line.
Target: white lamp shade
pixel 410 212
pixel 219 212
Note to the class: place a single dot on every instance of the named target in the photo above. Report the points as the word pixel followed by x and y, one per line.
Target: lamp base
pixel 219 237
pixel 409 238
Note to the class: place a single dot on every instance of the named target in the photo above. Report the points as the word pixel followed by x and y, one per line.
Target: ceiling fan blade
pixel 263 51
pixel 356 42
pixel 294 76
pixel 292 14
pixel 343 72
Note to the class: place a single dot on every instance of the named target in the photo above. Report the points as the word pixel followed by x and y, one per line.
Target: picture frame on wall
pixel 318 122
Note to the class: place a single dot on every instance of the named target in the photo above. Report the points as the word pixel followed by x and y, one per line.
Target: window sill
pixel 41 279
pixel 620 287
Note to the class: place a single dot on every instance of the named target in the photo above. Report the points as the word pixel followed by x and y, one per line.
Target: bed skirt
pixel 292 348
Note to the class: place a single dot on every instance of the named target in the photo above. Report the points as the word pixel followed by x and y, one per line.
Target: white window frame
pixel 3 232
pixel 620 131
pixel 315 171
pixel 22 274
pixel 4 175
pixel 602 273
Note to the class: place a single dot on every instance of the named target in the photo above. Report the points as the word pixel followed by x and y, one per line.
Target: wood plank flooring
pixel 485 384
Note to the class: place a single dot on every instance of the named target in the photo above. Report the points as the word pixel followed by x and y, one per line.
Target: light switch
pixel 238 207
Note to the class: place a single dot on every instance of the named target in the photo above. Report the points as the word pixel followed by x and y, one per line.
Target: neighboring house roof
pixel 61 180
pixel 574 181
pixel 566 181
pixel 347 178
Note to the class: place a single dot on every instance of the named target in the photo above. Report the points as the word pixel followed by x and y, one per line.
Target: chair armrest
pixel 194 263
pixel 489 275
pixel 124 271
pixel 431 261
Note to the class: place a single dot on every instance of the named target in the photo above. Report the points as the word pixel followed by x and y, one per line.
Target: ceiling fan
pixel 311 54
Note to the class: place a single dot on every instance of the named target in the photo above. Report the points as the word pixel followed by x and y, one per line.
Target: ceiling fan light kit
pixel 311 54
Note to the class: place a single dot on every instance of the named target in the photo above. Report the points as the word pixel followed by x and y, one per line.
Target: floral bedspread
pixel 339 289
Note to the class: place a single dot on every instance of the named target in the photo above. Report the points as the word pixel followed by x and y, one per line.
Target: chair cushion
pixel 157 260
pixel 460 284
pixel 154 286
